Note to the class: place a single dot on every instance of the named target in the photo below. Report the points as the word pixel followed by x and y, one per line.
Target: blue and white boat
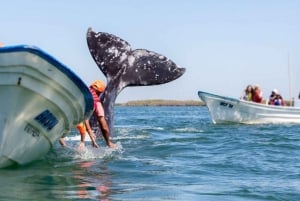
pixel 41 100
pixel 230 110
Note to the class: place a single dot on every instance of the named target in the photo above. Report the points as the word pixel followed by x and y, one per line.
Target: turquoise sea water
pixel 167 153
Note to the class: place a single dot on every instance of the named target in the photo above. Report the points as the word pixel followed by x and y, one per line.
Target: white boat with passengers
pixel 41 100
pixel 224 109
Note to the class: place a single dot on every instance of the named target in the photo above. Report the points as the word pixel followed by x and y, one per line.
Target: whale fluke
pixel 124 67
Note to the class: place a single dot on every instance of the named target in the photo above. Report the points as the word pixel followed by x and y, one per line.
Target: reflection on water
pixel 91 184
pixel 170 153
pixel 90 175
pixel 65 174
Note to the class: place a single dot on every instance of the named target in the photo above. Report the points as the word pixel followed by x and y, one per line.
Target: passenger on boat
pixel 272 96
pixel 247 94
pixel 275 98
pixel 279 100
pixel 96 88
pixel 257 95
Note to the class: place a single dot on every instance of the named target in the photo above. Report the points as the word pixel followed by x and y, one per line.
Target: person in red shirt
pixel 257 95
pixel 96 88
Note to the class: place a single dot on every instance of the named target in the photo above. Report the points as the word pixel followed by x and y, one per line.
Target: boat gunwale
pixel 60 66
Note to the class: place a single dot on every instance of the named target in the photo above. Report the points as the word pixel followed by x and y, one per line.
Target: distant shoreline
pixel 159 102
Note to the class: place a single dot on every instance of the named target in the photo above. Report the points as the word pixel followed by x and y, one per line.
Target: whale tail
pixel 124 67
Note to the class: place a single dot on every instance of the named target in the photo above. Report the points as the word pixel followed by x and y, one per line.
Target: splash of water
pixel 90 152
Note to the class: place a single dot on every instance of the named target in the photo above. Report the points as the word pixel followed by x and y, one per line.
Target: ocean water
pixel 167 153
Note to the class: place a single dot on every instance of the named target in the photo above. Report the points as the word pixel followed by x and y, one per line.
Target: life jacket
pixel 81 126
pixel 248 97
pixel 257 96
pixel 95 96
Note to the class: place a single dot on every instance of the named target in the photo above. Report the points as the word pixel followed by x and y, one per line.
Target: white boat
pixel 41 100
pixel 230 110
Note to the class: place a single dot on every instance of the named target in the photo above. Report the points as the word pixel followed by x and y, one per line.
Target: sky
pixel 223 44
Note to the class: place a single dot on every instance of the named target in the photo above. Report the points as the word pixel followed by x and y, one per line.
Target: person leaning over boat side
pixel 247 94
pixel 96 88
pixel 257 95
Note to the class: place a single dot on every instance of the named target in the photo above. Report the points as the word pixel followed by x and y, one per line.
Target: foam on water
pixel 188 129
pixel 72 151
pixel 90 152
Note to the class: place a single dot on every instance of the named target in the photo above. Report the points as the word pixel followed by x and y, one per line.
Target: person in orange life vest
pixel 96 88
pixel 257 95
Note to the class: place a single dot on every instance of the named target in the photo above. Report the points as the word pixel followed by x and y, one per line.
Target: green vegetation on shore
pixel 159 102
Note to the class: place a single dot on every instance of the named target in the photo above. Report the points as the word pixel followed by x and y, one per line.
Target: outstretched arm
pixel 105 131
pixel 90 133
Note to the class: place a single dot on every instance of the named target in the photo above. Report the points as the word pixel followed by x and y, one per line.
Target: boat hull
pixel 41 100
pixel 229 110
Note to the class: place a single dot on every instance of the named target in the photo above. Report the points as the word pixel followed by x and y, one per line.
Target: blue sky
pixel 224 45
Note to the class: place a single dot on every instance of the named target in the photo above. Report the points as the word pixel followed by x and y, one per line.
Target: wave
pixel 189 130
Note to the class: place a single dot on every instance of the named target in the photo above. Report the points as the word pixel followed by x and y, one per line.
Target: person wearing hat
pixel 272 96
pixel 275 98
pixel 96 88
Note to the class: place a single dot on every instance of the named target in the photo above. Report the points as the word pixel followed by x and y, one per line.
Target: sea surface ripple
pixel 167 153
